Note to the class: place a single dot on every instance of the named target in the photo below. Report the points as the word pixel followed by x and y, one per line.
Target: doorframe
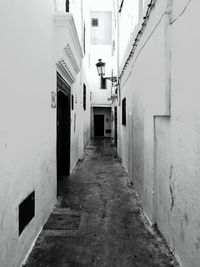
pixel 65 89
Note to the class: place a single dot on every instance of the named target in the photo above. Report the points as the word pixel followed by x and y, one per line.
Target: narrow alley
pixel 98 220
pixel 100 133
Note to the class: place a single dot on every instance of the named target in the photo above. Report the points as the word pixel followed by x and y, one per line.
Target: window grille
pixel 95 22
pixel 72 102
pixel 67 5
pixel 84 96
pixel 124 111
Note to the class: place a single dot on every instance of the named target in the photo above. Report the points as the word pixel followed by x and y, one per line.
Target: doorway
pixel 63 128
pixel 98 125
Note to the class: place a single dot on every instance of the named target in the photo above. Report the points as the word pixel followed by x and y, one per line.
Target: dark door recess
pixel 63 128
pixel 99 125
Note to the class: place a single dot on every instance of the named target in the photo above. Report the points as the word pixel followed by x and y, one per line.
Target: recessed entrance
pixel 101 122
pixel 99 125
pixel 63 128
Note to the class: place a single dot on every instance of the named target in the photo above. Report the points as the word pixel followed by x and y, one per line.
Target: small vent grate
pixel 26 211
pixel 95 22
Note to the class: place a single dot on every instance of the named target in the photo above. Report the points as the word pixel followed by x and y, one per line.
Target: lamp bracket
pixel 112 79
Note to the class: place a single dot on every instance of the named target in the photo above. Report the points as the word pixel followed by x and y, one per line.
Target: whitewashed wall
pixel 30 47
pixel 183 173
pixel 28 123
pixel 165 142
pixel 80 11
pixel 99 97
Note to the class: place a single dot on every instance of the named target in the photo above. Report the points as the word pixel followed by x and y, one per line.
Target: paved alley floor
pixel 98 220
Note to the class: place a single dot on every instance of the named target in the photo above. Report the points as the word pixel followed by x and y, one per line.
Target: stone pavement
pixel 98 220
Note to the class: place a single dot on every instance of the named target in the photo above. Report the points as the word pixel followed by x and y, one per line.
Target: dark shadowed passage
pixel 98 219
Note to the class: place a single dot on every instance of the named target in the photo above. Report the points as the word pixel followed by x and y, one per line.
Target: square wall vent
pixel 26 211
pixel 95 22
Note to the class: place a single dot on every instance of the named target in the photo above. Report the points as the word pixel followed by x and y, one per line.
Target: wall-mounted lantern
pixel 101 71
pixel 101 68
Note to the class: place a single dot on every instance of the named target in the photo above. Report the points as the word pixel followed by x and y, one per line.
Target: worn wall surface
pixel 160 84
pixel 102 33
pixel 184 133
pixel 34 38
pixel 143 85
pixel 100 96
pixel 28 128
pixel 101 49
pixel 68 49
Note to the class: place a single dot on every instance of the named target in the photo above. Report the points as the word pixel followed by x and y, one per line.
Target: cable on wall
pixel 142 49
pixel 184 9
pixel 131 54
pixel 140 32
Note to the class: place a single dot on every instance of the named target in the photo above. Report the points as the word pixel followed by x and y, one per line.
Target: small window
pixel 95 22
pixel 72 102
pixel 84 96
pixel 67 6
pixel 103 83
pixel 124 111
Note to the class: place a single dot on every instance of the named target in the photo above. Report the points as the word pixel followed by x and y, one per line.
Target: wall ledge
pixel 70 62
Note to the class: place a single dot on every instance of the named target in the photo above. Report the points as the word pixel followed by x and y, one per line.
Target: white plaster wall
pixel 87 115
pixel 164 183
pixel 172 144
pixel 75 7
pixel 76 124
pixel 28 129
pixel 83 17
pixel 104 5
pixel 143 85
pixel 102 34
pixel 182 231
pixel 98 96
pixel 80 119
pixel 80 122
pixel 80 130
pixel 128 18
pixel 60 5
